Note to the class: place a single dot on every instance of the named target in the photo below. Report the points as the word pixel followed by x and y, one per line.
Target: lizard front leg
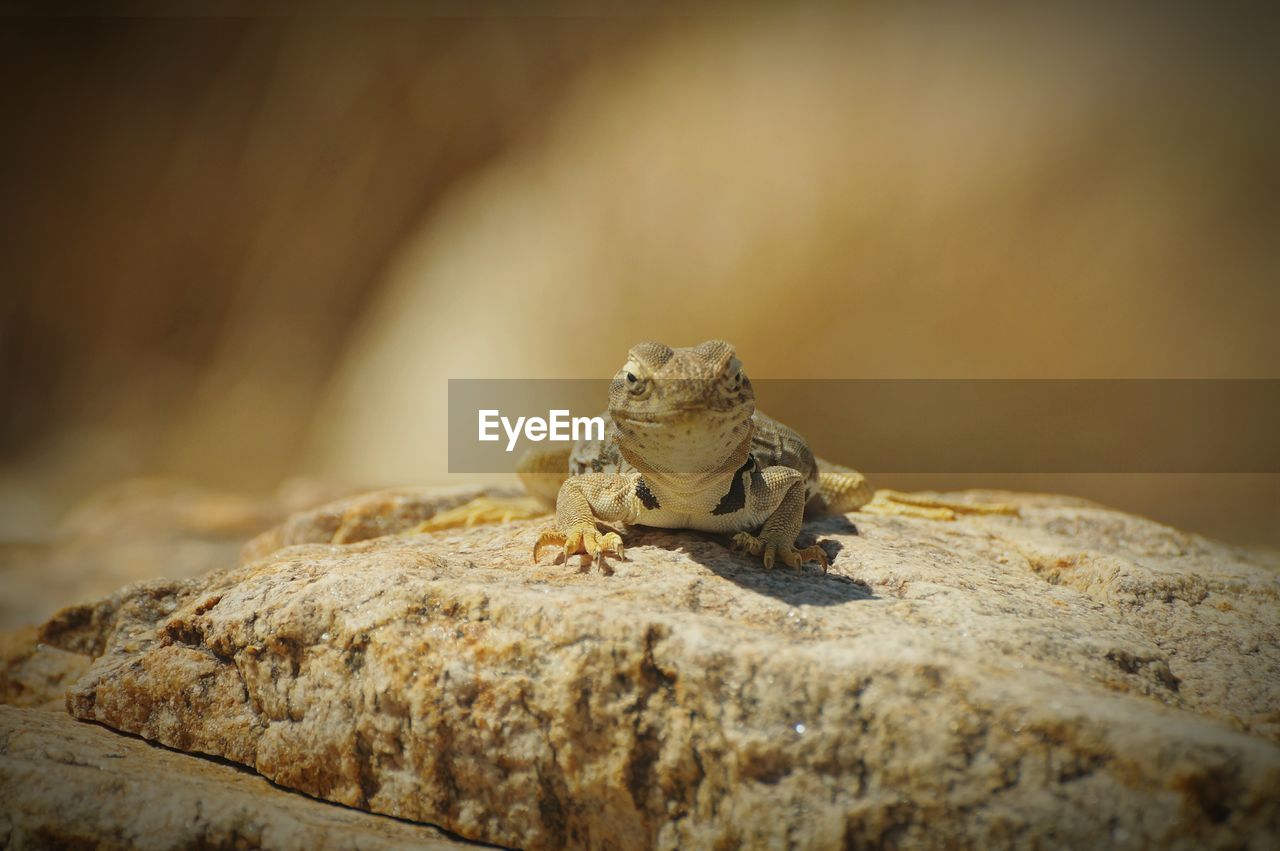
pixel 583 502
pixel 784 487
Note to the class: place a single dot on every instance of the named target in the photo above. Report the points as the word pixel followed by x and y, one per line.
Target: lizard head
pixel 681 410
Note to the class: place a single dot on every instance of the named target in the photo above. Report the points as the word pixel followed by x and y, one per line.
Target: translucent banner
pixel 926 425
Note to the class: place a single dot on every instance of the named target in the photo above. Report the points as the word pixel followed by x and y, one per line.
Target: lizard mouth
pixel 666 419
pixel 653 419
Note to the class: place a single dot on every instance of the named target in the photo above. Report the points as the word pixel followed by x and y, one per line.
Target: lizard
pixel 685 448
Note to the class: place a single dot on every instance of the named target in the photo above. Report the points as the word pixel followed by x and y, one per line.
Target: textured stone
pixel 72 785
pixel 1072 677
pixel 33 674
pixel 361 517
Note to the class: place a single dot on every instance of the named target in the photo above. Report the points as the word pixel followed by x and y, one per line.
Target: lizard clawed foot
pixel 581 539
pixel 771 550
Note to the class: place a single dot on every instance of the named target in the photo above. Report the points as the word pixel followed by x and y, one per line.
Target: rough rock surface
pixel 33 674
pixel 361 517
pixel 71 785
pixel 1072 677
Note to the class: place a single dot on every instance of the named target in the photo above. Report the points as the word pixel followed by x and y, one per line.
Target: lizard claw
pixel 549 538
pixel 811 553
pixel 586 540
pixel 771 551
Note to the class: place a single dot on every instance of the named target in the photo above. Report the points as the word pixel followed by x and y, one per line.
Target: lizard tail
pixel 840 489
pixel 543 472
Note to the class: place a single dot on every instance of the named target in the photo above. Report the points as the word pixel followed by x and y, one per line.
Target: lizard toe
pixel 770 553
pixel 611 543
pixel 594 543
pixel 585 541
pixel 811 553
pixel 747 543
pixel 548 539
pixel 573 543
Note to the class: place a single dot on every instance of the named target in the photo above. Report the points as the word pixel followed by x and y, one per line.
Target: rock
pixel 72 785
pixel 1073 677
pixel 33 674
pixel 360 518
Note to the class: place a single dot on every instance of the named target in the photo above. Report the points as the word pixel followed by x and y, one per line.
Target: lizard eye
pixel 636 386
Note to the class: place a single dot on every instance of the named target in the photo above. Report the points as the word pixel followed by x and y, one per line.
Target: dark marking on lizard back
pixel 647 499
pixel 736 498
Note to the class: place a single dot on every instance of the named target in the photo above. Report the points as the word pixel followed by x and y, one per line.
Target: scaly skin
pixel 686 449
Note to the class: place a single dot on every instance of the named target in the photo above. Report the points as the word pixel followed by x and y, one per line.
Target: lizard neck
pixel 689 485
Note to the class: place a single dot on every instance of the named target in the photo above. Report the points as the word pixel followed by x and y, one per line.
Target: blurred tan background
pixel 240 251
